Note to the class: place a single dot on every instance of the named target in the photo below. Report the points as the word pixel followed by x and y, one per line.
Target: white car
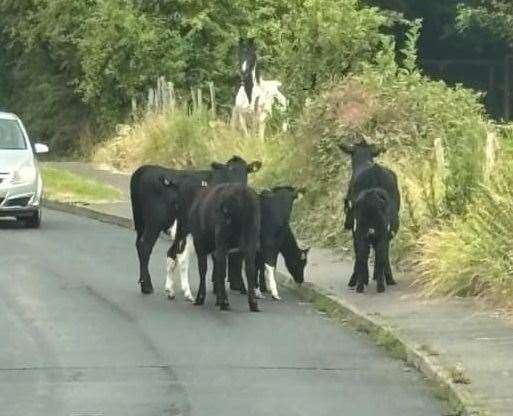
pixel 21 185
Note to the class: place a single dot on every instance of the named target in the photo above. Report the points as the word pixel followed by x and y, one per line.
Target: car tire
pixel 34 221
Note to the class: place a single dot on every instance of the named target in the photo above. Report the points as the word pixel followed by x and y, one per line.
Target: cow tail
pixel 136 202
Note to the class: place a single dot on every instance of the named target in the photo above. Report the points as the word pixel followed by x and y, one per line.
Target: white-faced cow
pixel 255 97
pixel 159 196
pixel 372 213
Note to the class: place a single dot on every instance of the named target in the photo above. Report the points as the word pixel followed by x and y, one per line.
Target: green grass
pixel 64 186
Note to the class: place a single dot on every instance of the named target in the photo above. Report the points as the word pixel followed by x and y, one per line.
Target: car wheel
pixel 34 221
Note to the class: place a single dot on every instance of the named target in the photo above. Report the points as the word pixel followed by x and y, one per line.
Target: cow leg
pixel 389 277
pixel 250 267
pixel 380 263
pixel 144 248
pixel 270 257
pixel 202 268
pixel 220 275
pixel 235 272
pixel 361 267
pixel 260 277
pixel 354 277
pixel 182 264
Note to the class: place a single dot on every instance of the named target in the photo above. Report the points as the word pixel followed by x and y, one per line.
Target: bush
pixel 436 137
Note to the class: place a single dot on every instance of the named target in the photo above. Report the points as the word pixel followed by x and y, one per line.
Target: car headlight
pixel 25 174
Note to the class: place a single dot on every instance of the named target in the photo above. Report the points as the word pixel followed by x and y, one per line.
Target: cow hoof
pixel 243 291
pixel 253 307
pixel 276 297
pixel 199 301
pixel 391 282
pixel 381 288
pixel 225 306
pixel 188 297
pixel 360 288
pixel 170 295
pixel 258 294
pixel 146 289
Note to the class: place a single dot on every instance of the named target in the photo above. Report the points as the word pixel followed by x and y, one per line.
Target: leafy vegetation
pixel 64 186
pixel 89 59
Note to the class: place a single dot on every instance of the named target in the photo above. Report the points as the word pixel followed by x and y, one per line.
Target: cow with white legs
pixel 159 197
pixel 255 97
pixel 276 237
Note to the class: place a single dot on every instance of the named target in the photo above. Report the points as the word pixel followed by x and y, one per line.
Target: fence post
pixel 490 154
pixel 212 99
pixel 172 98
pixel 194 103
pixel 506 89
pixel 134 107
pixel 151 100
pixel 200 100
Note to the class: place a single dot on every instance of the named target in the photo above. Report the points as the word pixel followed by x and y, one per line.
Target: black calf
pixel 277 237
pixel 372 225
pixel 225 218
pixel 372 211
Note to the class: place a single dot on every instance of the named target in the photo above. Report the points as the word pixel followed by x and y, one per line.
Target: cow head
pixel 234 170
pixel 296 265
pixel 361 153
pixel 248 65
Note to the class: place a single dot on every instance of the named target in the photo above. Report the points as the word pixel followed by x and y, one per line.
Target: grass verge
pixel 64 186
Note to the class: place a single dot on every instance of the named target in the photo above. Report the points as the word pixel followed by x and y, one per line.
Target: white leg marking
pixel 183 263
pixel 271 282
pixel 170 266
pixel 258 294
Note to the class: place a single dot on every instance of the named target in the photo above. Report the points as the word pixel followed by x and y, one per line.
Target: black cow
pixel 160 195
pixel 224 218
pixel 372 211
pixel 276 237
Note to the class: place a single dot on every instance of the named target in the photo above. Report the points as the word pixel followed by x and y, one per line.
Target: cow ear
pixel 376 150
pixel 299 193
pixel 254 166
pixel 346 148
pixel 266 193
pixel 168 182
pixel 217 165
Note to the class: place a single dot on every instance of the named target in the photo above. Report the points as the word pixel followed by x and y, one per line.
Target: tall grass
pixel 473 254
pixel 181 140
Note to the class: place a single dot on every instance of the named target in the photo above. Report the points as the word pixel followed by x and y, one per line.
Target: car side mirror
pixel 41 148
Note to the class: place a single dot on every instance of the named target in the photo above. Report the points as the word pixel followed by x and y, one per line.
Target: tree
pixel 495 16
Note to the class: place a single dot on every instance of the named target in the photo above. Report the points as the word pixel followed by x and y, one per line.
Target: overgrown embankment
pixel 455 219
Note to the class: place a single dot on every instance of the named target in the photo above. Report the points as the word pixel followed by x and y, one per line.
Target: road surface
pixel 78 338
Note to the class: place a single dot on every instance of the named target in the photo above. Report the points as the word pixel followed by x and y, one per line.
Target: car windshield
pixel 11 136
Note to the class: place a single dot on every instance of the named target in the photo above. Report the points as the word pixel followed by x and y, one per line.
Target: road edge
pixel 84 211
pixel 458 397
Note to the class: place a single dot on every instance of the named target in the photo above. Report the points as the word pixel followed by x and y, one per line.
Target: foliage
pixel 64 186
pixel 96 55
pixel 436 138
pixel 495 16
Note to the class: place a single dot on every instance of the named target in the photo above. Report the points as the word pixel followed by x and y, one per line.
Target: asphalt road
pixel 78 338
